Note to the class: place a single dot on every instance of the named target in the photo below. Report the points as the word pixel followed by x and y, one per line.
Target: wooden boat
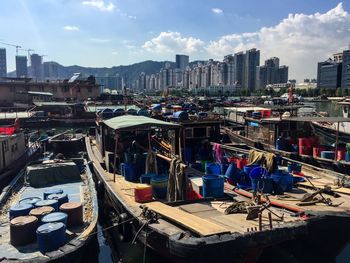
pixel 15 152
pixel 33 182
pixel 67 142
pixel 188 230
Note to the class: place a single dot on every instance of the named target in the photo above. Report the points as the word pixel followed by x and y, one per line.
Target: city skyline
pixel 109 33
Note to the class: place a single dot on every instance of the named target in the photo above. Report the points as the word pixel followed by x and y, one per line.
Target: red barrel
pixel 143 193
pixel 241 163
pixel 74 210
pixel 22 230
pixel 340 154
pixel 305 146
pixel 317 151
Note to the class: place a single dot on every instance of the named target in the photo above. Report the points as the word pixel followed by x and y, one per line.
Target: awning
pixel 129 122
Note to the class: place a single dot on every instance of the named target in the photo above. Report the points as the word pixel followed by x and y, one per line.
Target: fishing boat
pixel 173 219
pixel 67 142
pixel 48 212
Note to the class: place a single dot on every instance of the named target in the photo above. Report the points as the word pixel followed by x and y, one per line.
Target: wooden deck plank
pixel 196 224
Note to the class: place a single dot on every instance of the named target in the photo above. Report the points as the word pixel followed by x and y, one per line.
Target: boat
pixel 67 142
pixel 16 151
pixel 286 135
pixel 37 232
pixel 187 227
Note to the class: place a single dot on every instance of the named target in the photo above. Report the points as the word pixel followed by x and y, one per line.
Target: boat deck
pixel 76 193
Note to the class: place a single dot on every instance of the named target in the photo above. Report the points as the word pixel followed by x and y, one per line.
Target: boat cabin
pixel 12 147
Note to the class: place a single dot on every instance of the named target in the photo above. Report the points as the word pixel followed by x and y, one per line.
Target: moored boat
pixel 177 222
pixel 48 212
pixel 67 142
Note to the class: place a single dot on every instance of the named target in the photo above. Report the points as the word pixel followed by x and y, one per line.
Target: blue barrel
pixel 231 172
pixel 257 173
pixel 61 198
pixel 52 203
pixel 51 236
pixel 213 186
pixel 118 112
pixel 20 209
pixel 180 115
pixel 249 167
pixel 265 185
pixel 130 172
pixel 282 182
pixel 188 152
pixel 256 114
pixel 52 191
pixel 196 166
pixel 223 168
pixel 202 114
pixel 143 112
pixel 159 186
pixel 212 168
pixel 328 155
pixel 347 157
pixel 30 200
pixel 55 217
pixel 281 144
pixel 107 113
pixel 131 112
pixel 146 178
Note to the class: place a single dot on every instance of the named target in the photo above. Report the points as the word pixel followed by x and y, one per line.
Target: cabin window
pixel 346 109
pixel 189 133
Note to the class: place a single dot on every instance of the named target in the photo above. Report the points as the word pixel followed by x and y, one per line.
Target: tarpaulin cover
pixel 41 175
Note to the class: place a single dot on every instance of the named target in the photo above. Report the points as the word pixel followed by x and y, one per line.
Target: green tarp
pixel 41 175
pixel 128 122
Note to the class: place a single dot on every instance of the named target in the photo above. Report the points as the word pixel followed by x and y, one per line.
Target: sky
pixel 105 33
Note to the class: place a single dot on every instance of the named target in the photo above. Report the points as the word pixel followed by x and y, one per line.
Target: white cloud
pixel 300 40
pixel 100 4
pixel 217 11
pixel 71 28
pixel 99 40
pixel 171 42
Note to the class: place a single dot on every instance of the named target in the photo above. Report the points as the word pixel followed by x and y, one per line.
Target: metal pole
pixel 115 156
pixel 184 144
pixel 336 142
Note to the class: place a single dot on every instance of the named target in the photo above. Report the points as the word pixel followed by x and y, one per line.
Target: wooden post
pixel 115 155
pixel 180 154
pixel 184 144
pixel 336 142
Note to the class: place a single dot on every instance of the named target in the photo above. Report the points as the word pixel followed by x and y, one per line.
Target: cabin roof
pixel 128 122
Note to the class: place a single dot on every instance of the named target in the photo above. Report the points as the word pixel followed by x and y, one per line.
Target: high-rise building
pixel 181 61
pixel 271 73
pixel 21 66
pixel 282 74
pixel 239 67
pixel 3 64
pixel 251 61
pixel 329 74
pixel 261 77
pixel 345 74
pixel 36 66
pixel 50 70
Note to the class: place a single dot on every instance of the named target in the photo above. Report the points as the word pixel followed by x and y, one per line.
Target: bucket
pixel 51 236
pixel 146 178
pixel 52 203
pixel 328 155
pixel 130 173
pixel 212 168
pixel 159 186
pixel 231 172
pixel 250 167
pixel 213 186
pixel 143 193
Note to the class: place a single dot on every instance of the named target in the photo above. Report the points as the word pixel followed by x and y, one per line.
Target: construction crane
pixel 12 45
pixel 28 50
